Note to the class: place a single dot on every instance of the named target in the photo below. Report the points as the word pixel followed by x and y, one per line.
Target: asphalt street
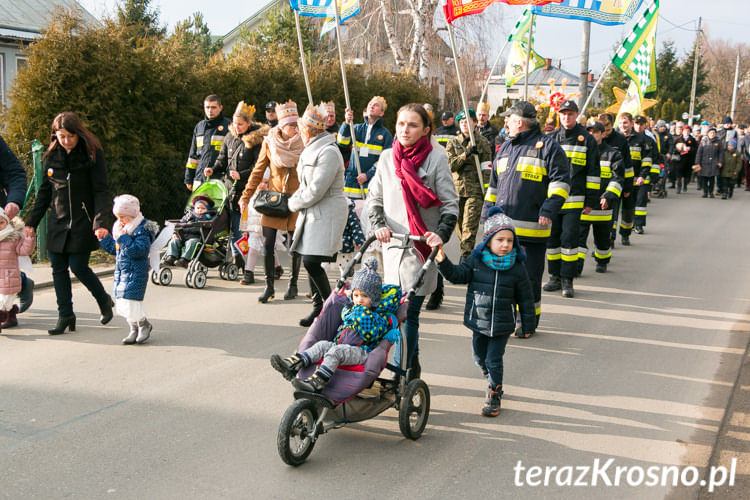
pixel 639 367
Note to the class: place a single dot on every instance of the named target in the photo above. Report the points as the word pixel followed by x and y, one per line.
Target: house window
pixel 21 63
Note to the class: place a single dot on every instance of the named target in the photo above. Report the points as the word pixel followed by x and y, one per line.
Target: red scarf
pixel 407 161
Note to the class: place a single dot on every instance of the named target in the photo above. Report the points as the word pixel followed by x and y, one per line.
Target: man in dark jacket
pixel 530 181
pixel 272 118
pixel 12 194
pixel 208 135
pixel 448 130
pixel 484 126
pixel 641 159
pixel 583 155
pixel 618 141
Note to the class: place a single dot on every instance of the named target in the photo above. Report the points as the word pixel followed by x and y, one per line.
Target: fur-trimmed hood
pixel 254 137
pixel 18 226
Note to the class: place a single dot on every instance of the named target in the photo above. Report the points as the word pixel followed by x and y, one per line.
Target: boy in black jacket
pixel 498 282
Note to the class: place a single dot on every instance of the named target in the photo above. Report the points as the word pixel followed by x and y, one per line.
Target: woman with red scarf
pixel 412 192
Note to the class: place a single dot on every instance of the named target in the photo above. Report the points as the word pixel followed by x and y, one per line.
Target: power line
pixel 681 26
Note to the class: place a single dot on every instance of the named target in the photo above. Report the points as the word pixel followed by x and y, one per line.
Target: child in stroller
pixel 185 242
pixel 367 319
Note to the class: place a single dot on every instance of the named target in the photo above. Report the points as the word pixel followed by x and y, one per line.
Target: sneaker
pixel 492 406
pixel 288 367
pixel 553 284
pixel 601 267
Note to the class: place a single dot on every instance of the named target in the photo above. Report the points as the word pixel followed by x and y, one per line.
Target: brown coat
pixel 275 183
pixel 10 248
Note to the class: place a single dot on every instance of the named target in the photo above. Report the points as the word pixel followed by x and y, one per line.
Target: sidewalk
pixel 43 274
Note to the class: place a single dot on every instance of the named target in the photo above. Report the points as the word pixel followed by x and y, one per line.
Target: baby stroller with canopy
pixel 215 245
pixel 355 393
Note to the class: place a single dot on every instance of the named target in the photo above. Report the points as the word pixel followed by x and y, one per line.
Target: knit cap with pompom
pixel 368 280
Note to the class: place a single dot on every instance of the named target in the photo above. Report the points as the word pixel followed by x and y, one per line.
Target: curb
pixel 40 285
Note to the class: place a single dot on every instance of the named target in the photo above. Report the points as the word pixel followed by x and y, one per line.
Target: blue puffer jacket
pixel 131 266
pixel 492 295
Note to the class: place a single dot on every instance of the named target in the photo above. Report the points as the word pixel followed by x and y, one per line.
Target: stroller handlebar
pixel 406 237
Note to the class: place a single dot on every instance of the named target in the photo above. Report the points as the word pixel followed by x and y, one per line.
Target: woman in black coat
pixel 74 189
pixel 687 146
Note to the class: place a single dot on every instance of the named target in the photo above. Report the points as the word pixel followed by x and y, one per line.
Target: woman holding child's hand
pixel 412 192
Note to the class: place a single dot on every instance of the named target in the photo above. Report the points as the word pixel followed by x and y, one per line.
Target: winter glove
pixel 472 150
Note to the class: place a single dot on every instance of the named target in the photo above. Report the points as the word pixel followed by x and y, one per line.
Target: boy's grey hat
pixel 368 280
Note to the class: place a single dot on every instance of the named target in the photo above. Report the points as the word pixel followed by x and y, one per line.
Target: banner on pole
pixel 607 12
pixel 311 8
pixel 632 102
pixel 454 9
pixel 515 68
pixel 637 55
pixel 347 9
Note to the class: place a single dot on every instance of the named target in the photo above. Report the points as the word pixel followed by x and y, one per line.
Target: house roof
pixel 252 21
pixel 27 18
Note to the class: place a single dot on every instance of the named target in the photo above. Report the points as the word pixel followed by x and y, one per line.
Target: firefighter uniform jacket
pixel 208 136
pixel 530 178
pixel 445 134
pixel 371 141
pixel 612 175
pixel 641 155
pixel 655 168
pixel 618 141
pixel 581 149
pixel 464 167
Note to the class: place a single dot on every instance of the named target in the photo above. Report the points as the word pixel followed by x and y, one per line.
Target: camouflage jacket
pixel 464 167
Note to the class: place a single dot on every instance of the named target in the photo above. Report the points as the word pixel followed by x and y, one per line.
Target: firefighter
pixel 641 158
pixel 626 203
pixel 208 136
pixel 468 184
pixel 448 130
pixel 612 168
pixel 652 184
pixel 530 181
pixel 583 154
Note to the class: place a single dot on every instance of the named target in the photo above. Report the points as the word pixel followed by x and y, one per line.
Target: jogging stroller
pixel 354 393
pixel 215 245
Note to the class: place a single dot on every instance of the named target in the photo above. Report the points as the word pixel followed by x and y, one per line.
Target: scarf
pixel 415 192
pixel 499 262
pixel 119 229
pixel 284 152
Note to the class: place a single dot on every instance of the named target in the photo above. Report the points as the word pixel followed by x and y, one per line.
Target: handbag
pixel 273 203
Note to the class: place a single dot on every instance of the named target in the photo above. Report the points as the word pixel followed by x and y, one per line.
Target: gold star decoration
pixel 620 96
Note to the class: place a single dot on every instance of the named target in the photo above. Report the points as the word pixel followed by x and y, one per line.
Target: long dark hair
pixel 70 122
pixel 418 109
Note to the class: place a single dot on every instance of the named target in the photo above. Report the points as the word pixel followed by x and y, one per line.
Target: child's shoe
pixel 144 331
pixel 288 367
pixel 491 406
pixel 182 262
pixel 130 339
pixel 169 260
pixel 9 318
pixel 314 383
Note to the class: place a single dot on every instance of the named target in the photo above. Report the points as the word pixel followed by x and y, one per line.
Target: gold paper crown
pixel 381 100
pixel 331 107
pixel 315 116
pixel 484 106
pixel 244 111
pixel 289 108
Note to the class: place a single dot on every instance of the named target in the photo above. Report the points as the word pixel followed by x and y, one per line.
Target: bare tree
pixel 720 57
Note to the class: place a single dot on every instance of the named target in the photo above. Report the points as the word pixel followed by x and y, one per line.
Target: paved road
pixel 639 367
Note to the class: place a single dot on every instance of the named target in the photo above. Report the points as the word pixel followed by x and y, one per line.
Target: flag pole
pixel 466 108
pixel 355 149
pixel 596 87
pixel 302 58
pixel 489 77
pixel 528 59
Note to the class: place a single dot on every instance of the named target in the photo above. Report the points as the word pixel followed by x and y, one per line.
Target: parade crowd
pixel 518 199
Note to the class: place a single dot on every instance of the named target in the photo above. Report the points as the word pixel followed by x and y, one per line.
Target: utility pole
pixel 696 57
pixel 736 84
pixel 583 85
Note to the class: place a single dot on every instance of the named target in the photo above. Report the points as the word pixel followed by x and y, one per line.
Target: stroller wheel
pixel 222 271
pixel 295 439
pixel 414 409
pixel 154 278
pixel 165 276
pixel 233 272
pixel 199 279
pixel 189 279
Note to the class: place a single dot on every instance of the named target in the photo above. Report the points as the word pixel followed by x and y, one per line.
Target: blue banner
pixel 311 8
pixel 607 12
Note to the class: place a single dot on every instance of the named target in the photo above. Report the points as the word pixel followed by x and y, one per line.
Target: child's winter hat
pixel 732 142
pixel 368 280
pixel 126 204
pixel 202 198
pixel 287 113
pixel 498 221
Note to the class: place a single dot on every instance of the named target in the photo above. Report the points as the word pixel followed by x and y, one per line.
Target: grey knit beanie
pixel 368 280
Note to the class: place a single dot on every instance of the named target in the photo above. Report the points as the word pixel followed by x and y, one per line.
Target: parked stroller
pixel 215 246
pixel 354 393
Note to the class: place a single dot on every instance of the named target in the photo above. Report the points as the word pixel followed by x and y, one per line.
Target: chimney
pixel 547 63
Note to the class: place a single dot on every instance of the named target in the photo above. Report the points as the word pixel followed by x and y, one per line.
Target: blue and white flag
pixel 311 8
pixel 347 9
pixel 607 12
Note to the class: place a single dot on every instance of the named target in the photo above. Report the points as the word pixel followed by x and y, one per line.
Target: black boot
pixel 268 292
pixel 553 284
pixel 64 322
pixel 248 278
pixel 289 366
pixel 314 383
pixel 291 291
pixel 106 310
pixel 321 290
pixel 26 295
pixel 567 287
pixel 436 299
pixel 415 370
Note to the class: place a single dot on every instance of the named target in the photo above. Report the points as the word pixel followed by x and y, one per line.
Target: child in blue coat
pixel 498 282
pixel 130 241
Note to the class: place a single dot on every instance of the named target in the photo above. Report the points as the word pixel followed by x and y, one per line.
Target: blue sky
pixel 556 38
